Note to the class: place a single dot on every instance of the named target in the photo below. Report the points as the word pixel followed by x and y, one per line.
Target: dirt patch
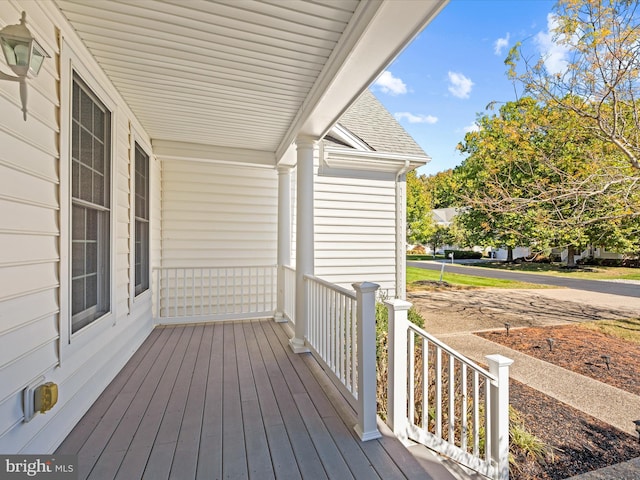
pixel 472 310
pixel 580 442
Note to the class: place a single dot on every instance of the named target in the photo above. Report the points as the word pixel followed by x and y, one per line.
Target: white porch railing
pixel 289 293
pixel 441 399
pixel 341 335
pixel 187 294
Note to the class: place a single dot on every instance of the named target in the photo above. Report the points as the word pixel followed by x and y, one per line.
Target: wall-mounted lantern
pixel 23 54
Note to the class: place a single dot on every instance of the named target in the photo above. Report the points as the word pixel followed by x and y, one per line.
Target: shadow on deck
pixel 228 400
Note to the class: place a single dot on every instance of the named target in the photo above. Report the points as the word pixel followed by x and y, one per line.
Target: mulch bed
pixel 578 349
pixel 580 442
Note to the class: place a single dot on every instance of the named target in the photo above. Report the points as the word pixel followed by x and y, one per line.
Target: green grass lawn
pixel 554 269
pixel 418 274
pixel 625 329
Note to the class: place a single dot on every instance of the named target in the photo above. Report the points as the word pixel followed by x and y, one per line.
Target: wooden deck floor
pixel 228 401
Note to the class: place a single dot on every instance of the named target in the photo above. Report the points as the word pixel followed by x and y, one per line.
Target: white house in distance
pixel 168 166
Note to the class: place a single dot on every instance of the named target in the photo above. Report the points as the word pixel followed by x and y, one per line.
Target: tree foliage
pixel 443 189
pixel 420 224
pixel 598 78
pixel 536 176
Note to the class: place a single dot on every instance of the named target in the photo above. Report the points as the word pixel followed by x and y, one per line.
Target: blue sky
pixel 455 67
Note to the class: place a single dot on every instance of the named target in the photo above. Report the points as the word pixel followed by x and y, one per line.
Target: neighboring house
pixel 171 170
pixel 444 216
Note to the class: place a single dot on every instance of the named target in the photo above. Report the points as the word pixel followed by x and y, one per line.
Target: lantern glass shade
pixel 16 52
pixel 23 53
pixel 37 58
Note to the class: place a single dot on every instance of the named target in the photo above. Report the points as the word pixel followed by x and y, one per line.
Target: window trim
pixel 71 63
pixel 136 139
pixel 103 255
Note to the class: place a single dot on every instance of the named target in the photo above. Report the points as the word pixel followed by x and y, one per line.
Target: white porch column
pixel 397 367
pixel 284 235
pixel 304 237
pixel 367 427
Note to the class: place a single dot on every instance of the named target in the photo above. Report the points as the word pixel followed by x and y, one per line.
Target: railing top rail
pixel 452 352
pixel 289 267
pixel 214 267
pixel 346 292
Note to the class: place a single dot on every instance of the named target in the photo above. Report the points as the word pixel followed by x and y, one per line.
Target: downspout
pixel 401 231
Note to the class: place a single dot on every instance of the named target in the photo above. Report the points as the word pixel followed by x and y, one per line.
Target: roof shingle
pixel 369 120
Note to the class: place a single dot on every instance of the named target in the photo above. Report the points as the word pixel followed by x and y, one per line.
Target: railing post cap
pixel 365 287
pixel 398 304
pixel 499 360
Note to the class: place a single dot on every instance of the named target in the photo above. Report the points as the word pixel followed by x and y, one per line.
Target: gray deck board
pixel 306 455
pixel 228 400
pixel 210 450
pixel 234 454
pixel 258 456
pixel 282 457
pixel 185 460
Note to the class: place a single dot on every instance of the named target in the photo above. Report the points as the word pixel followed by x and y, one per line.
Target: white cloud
pixel 411 118
pixel 390 84
pixel 501 44
pixel 459 86
pixel 554 55
pixel 474 127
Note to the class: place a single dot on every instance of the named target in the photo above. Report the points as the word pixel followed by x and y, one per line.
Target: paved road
pixel 613 288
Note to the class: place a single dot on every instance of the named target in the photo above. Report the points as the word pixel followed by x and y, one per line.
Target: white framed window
pixel 90 206
pixel 141 213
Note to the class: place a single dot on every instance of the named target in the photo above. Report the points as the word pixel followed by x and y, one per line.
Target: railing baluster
pixel 411 352
pixel 175 292
pixel 193 291
pixel 184 292
pixel 354 343
pixel 487 420
pixel 452 399
pixel 476 413
pixel 438 404
pixel 343 340
pixel 209 280
pixel 464 427
pixel 425 383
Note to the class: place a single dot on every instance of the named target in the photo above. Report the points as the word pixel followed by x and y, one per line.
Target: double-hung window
pixel 91 209
pixel 141 220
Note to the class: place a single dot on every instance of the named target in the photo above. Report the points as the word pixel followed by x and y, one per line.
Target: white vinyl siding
pixel 355 231
pixel 35 243
pixel 29 231
pixel 218 215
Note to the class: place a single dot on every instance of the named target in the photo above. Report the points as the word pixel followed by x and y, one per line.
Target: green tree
pixel 443 189
pixel 598 77
pixel 420 224
pixel 535 176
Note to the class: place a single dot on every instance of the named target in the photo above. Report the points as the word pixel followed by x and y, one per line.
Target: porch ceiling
pixel 243 74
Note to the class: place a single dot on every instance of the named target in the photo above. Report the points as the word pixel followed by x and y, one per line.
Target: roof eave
pixel 379 31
